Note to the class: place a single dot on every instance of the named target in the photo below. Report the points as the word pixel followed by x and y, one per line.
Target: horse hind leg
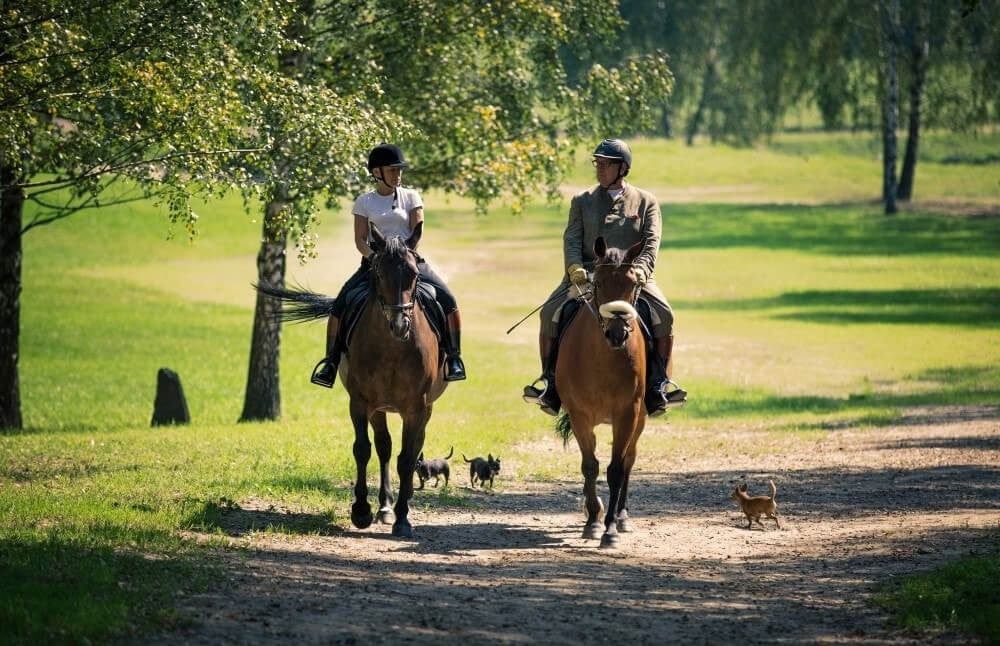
pixel 616 476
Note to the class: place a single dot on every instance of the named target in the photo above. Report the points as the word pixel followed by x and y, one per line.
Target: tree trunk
pixel 919 55
pixel 890 34
pixel 11 215
pixel 263 393
pixel 707 87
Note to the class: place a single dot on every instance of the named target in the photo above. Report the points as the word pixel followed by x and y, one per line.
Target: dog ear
pixel 743 487
pixel 420 458
pixel 489 456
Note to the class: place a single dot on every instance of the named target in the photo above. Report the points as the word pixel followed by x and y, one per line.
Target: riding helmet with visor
pixel 615 149
pixel 386 155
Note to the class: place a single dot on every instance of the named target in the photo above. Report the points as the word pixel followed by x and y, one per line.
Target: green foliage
pixel 793 318
pixel 960 596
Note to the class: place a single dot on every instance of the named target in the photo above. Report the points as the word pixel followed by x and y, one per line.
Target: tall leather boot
pixel 454 368
pixel 325 372
pixel 662 392
pixel 546 397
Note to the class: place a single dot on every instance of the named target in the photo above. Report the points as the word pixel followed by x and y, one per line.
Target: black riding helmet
pixel 386 155
pixel 617 150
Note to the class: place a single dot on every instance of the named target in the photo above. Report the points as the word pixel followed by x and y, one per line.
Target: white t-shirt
pixel 390 213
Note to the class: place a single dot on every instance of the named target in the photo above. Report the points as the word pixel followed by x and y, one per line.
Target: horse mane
pixel 396 246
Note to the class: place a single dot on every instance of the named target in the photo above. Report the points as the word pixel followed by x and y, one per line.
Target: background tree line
pixel 103 101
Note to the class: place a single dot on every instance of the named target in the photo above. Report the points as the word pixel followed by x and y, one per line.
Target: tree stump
pixel 170 406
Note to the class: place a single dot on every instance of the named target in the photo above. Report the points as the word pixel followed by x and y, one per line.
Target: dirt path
pixel 859 507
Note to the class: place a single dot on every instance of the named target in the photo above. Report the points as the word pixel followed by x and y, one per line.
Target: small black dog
pixel 483 469
pixel 434 468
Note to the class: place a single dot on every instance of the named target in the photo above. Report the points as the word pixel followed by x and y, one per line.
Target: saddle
pixel 356 298
pixel 572 307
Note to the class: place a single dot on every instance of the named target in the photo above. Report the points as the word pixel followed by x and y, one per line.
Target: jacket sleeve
pixel 573 235
pixel 652 225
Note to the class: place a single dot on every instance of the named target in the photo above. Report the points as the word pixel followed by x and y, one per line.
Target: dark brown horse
pixel 601 376
pixel 392 365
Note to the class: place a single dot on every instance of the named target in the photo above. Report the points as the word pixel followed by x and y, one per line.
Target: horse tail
pixel 451 453
pixel 299 304
pixel 563 427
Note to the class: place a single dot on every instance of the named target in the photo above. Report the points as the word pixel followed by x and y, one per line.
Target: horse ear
pixel 378 240
pixel 414 238
pixel 634 251
pixel 600 246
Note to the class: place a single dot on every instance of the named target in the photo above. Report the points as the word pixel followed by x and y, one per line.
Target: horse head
pixel 394 278
pixel 616 289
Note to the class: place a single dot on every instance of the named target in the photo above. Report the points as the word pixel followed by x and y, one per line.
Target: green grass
pixel 960 596
pixel 800 308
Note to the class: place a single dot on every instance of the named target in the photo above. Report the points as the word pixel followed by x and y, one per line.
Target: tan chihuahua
pixel 756 506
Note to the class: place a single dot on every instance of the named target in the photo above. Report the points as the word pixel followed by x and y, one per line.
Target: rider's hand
pixel 640 276
pixel 577 275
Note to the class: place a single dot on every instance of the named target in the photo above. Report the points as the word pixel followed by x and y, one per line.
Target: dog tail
pixel 774 490
pixel 465 458
pixel 450 453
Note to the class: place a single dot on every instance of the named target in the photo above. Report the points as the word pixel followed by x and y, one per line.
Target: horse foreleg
pixel 590 468
pixel 626 431
pixel 361 511
pixel 383 448
pixel 414 428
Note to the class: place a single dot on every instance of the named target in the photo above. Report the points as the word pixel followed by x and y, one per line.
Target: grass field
pixel 800 307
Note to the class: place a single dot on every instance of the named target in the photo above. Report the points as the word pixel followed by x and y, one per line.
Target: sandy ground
pixel 859 507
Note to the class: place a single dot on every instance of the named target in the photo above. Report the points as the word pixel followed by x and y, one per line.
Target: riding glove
pixel 577 275
pixel 640 276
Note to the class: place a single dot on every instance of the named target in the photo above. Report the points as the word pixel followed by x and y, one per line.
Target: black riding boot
pixel 659 395
pixel 454 367
pixel 325 372
pixel 546 397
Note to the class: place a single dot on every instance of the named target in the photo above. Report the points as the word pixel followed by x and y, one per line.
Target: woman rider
pixel 396 211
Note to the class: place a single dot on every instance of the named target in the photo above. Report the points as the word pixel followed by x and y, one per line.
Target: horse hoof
pixel 386 516
pixel 609 541
pixel 593 531
pixel 402 529
pixel 624 525
pixel 362 521
pixel 361 516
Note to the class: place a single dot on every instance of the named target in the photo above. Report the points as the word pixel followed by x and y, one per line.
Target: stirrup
pixel 532 393
pixel 321 379
pixel 675 396
pixel 454 369
pixel 549 405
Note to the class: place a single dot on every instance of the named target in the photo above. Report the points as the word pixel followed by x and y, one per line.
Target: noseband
pixel 616 311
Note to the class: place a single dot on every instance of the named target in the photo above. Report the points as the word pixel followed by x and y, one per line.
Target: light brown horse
pixel 392 364
pixel 601 377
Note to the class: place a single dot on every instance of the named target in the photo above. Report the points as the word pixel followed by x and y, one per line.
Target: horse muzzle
pixel 616 322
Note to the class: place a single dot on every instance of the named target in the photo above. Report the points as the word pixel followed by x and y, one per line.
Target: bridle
pixel 618 310
pixel 399 314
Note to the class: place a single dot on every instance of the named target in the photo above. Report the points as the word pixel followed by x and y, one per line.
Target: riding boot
pixel 454 368
pixel 547 397
pixel 659 394
pixel 325 372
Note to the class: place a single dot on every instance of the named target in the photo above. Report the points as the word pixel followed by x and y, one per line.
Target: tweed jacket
pixel 633 216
